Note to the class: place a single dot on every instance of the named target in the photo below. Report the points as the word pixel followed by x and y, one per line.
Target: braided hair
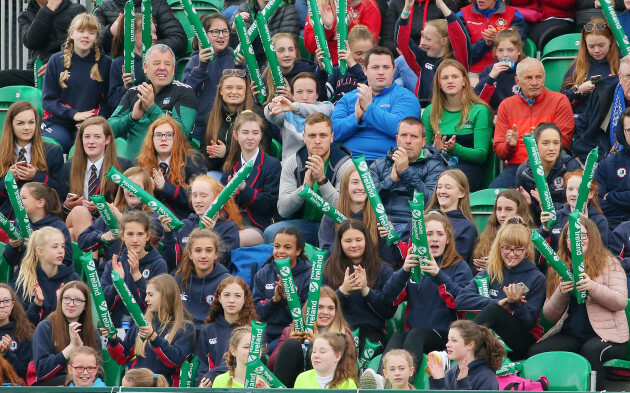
pixel 80 22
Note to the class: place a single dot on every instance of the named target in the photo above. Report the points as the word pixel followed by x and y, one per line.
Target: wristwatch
pixel 323 182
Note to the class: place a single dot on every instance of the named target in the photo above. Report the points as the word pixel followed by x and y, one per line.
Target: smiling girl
pixel 334 363
pixel 233 307
pixel 452 197
pixel 136 263
pixel 269 296
pixel 83 368
pixel 16 331
pixel 198 275
pixel 236 360
pixel 42 273
pixel 164 344
pixel 430 302
pixel 69 327
pixel 76 83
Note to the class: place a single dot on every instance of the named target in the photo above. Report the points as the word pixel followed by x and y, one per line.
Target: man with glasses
pixel 519 114
pixel 600 126
pixel 145 103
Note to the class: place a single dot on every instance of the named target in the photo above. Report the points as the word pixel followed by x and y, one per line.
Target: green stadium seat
pixel 309 251
pixel 188 29
pixel 566 45
pixel 621 364
pixel 555 68
pixel 566 371
pixel 276 149
pixel 306 55
pixel 201 5
pixel 493 167
pixel 11 94
pixel 195 143
pixel 374 363
pixel 51 140
pixel 77 253
pixel 113 371
pixel 397 322
pixel 180 65
pixel 481 204
pixel 71 152
pixel 6 271
pixel 530 49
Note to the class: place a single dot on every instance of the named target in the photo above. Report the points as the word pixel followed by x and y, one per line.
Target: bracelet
pixel 405 14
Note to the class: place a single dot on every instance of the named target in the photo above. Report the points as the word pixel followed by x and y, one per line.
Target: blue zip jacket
pixel 14 255
pixel 49 286
pixel 562 215
pixel 431 302
pixel 204 79
pixel 53 177
pixel 613 180
pixel 116 86
pixel 480 377
pixel 20 353
pixel 338 85
pixel 150 265
pixel 211 348
pixel 47 362
pixel 528 313
pixel 372 310
pixel 494 91
pixel 173 244
pixel 376 133
pixel 199 294
pixel 259 198
pixel 278 315
pixel 90 238
pixel 82 94
pixel 160 356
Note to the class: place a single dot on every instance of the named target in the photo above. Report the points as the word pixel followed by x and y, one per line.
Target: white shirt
pixel 27 155
pixel 88 172
pixel 243 162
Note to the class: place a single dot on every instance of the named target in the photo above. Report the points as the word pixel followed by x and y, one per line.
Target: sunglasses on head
pixel 234 71
pixel 590 26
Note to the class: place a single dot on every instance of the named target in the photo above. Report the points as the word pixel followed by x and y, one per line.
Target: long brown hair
pixel 338 324
pixel 230 210
pixel 596 256
pixel 8 376
pixel 343 344
pixel 344 205
pixel 8 140
pixel 38 190
pixel 215 120
pixel 24 329
pixel 171 311
pixel 594 188
pixel 450 256
pixel 80 159
pixel 181 150
pixel 234 155
pixel 462 182
pixel 487 347
pixel 248 312
pixel 485 240
pixel 87 22
pixel 337 262
pixel 147 184
pixel 145 378
pixel 438 102
pixel 581 64
pixel 513 232
pixel 60 336
pixel 186 267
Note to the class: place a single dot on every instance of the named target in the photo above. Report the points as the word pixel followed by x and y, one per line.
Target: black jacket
pixel 42 31
pixel 169 31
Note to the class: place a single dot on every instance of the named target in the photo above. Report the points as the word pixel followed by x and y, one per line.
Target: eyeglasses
pixel 160 135
pixel 518 251
pixel 234 71
pixel 590 26
pixel 583 235
pixel 218 32
pixel 624 76
pixel 6 302
pixel 76 302
pixel 81 369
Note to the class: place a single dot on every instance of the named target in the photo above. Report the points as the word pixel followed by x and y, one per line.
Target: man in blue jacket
pixel 366 119
pixel 409 166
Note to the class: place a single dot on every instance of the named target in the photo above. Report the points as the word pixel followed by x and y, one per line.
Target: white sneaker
pixel 371 380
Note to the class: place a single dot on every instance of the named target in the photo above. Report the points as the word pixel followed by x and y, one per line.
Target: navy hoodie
pixel 613 180
pixel 90 238
pixel 173 244
pixel 83 92
pixel 199 294
pixel 116 86
pixel 337 85
pixel 47 362
pixel 371 311
pixel 431 302
pixel 204 79
pixel 528 314
pixel 49 286
pixel 562 215
pixel 619 241
pixel 465 235
pixel 20 353
pixel 595 67
pixel 494 91
pixel 160 356
pixel 211 348
pixel 278 315
pixel 14 255
pixel 150 266
pixel 480 377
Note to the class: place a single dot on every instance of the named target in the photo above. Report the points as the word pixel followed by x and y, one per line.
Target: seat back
pixel 6 270
pixel 530 48
pixel 481 205
pixel 397 323
pixel 555 68
pixel 566 45
pixel 566 371
pixel 11 94
pixel 113 371
pixel 276 149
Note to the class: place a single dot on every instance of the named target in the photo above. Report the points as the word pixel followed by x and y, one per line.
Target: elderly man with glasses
pixel 161 95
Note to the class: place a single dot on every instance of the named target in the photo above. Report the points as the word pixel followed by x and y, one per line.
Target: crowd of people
pixel 428 93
